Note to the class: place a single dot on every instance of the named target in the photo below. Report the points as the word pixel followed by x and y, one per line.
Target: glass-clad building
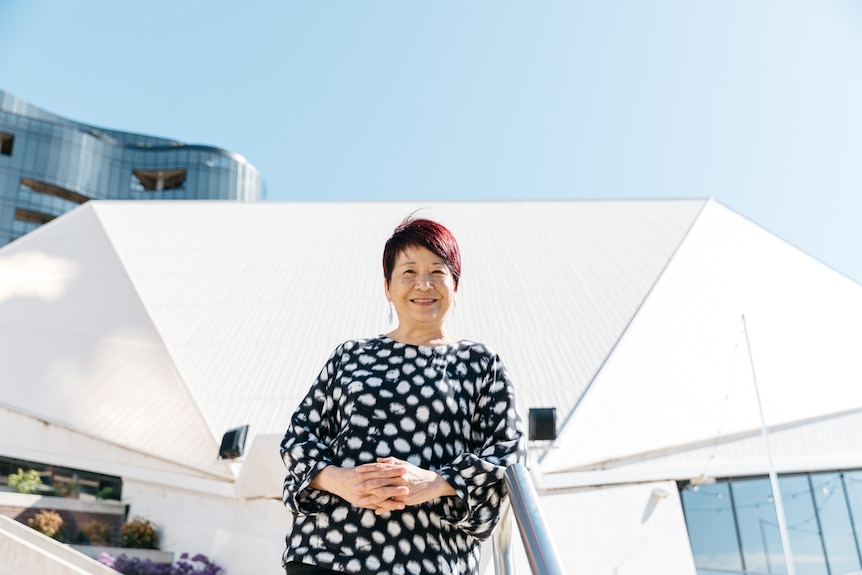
pixel 49 165
pixel 734 528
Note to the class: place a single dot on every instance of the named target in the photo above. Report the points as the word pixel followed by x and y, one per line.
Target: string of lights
pixel 828 488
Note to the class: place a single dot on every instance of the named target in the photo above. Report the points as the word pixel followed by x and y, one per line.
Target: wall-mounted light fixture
pixel 543 423
pixel 233 443
pixel 659 493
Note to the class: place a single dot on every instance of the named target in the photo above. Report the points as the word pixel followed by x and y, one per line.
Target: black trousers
pixel 297 568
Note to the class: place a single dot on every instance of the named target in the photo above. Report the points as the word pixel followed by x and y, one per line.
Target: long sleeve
pixel 306 447
pixel 478 475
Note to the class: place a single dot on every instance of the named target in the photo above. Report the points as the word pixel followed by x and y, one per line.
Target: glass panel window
pixel 832 508
pixel 712 529
pixel 802 525
pixel 853 491
pixel 758 526
pixel 733 526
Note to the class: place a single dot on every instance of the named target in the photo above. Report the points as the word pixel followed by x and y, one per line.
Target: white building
pixel 665 334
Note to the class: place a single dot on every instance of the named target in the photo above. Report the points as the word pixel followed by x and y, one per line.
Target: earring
pixel 390 313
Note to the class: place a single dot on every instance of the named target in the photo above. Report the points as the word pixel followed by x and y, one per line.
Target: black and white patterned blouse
pixel 450 409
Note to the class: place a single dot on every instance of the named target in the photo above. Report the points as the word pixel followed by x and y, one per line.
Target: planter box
pixel 26 501
pixel 154 555
pixel 22 507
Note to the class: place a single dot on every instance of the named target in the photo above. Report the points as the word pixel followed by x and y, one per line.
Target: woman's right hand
pixel 370 486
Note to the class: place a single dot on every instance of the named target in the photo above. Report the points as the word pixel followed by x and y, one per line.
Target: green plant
pixel 47 523
pixel 96 532
pixel 105 493
pixel 25 481
pixel 139 533
pixel 66 489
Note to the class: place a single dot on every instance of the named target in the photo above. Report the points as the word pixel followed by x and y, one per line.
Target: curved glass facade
pixel 733 525
pixel 49 165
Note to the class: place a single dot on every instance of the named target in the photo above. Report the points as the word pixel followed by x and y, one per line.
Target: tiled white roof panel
pixel 160 325
pixel 682 371
pixel 78 347
pixel 250 299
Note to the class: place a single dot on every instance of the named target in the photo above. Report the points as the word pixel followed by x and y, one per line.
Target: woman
pixel 396 456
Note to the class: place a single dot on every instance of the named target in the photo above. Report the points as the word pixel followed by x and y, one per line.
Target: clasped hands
pixel 389 484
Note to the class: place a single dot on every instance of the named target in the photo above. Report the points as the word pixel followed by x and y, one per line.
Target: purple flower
pixel 198 565
pixel 106 559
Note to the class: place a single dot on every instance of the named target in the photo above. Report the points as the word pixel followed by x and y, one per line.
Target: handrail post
pixel 538 543
pixel 504 563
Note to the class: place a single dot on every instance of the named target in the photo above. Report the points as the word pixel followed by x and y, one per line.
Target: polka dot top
pixel 450 409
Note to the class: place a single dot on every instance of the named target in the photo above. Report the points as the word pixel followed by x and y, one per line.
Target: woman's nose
pixel 423 281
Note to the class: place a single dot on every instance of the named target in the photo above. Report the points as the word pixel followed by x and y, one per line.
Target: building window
pixel 6 141
pixel 157 180
pixel 56 191
pixel 32 216
pixel 733 527
pixel 64 481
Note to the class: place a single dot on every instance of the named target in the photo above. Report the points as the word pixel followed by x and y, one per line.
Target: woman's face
pixel 422 288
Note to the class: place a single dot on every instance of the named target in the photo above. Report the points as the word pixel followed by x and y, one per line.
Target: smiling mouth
pixel 423 300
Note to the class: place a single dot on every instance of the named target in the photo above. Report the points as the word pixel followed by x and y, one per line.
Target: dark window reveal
pixel 56 191
pixel 6 142
pixel 33 216
pixel 157 180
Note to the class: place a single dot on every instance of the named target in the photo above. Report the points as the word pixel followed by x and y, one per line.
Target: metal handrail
pixel 538 544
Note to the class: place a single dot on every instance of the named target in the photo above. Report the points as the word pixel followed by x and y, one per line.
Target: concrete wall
pixel 617 530
pixel 620 530
pixel 241 536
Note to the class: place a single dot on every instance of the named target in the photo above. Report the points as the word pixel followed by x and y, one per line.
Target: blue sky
pixel 754 103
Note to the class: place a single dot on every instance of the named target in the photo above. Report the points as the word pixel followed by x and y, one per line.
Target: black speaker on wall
pixel 233 443
pixel 543 423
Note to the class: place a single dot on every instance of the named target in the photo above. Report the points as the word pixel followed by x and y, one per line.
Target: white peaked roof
pixel 739 330
pixel 158 326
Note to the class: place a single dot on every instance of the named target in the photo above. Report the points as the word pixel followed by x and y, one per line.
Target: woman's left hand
pixel 422 484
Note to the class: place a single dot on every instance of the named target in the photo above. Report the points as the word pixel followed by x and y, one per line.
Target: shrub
pixel 25 481
pixel 105 493
pixel 47 523
pixel 96 532
pixel 197 565
pixel 63 489
pixel 136 566
pixel 139 533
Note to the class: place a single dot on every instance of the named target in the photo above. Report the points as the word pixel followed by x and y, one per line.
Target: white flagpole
pixel 773 477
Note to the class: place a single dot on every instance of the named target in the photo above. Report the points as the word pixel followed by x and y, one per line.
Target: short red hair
pixel 428 234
